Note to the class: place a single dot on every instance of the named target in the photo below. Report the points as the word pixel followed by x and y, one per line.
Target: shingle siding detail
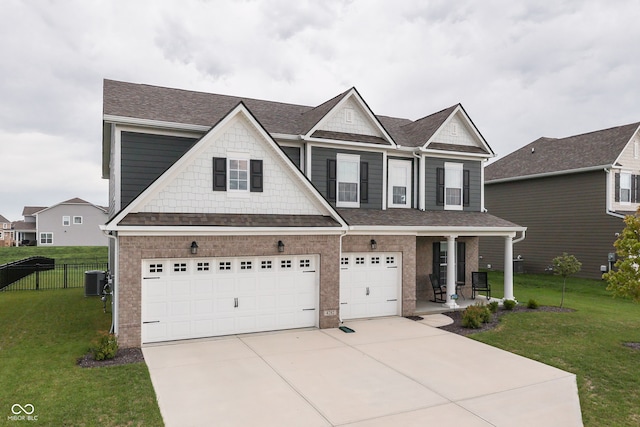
pixel 319 157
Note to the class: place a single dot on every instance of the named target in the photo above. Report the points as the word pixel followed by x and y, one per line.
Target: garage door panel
pixel 219 296
pixel 370 285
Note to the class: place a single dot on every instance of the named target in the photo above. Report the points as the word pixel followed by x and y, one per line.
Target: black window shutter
pixel 256 176
pixel 219 174
pixel 617 190
pixel 465 187
pixel 461 262
pixel 435 265
pixel 364 182
pixel 331 180
pixel 440 186
pixel 634 188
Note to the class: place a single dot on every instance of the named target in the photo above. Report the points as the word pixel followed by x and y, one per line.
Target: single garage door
pixel 370 285
pixel 197 297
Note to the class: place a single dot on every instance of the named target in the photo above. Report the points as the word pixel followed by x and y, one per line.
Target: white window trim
pixel 352 158
pixel 625 202
pixel 5 225
pixel 238 158
pixel 74 220
pixel 68 221
pixel 405 165
pixel 458 168
pixel 40 238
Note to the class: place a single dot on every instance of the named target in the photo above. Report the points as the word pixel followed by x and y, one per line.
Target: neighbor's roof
pixel 122 99
pixel 30 210
pixel 548 155
pixel 3 219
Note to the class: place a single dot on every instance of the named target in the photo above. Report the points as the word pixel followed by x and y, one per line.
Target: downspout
pixel 339 274
pixel 521 238
pixel 114 291
pixel 421 178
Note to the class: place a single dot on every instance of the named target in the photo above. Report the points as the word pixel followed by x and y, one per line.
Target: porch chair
pixel 439 293
pixel 480 282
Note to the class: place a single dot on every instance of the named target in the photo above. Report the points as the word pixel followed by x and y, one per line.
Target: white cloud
pixel 521 69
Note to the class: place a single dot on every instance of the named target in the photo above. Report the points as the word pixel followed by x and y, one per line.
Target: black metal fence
pixel 60 277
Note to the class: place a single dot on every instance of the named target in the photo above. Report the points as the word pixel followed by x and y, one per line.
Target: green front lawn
pixel 43 334
pixel 588 342
pixel 62 254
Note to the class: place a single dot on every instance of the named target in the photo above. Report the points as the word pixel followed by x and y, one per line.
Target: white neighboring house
pixel 74 222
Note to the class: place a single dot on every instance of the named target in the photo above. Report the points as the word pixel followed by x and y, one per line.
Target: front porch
pixel 430 307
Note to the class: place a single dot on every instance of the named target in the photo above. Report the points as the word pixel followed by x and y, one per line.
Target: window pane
pixel 399 195
pixel 453 178
pixel 347 192
pixel 348 171
pixel 453 196
pixel 238 174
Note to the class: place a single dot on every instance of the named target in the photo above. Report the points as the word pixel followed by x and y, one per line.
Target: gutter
pixel 114 291
pixel 548 174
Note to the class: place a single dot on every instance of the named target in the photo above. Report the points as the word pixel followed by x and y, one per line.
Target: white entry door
pixel 370 285
pixel 194 298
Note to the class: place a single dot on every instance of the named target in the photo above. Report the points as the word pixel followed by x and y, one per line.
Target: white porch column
pixel 451 271
pixel 508 268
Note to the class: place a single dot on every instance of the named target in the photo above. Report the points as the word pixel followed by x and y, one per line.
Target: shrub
pixel 474 316
pixel 508 304
pixel 493 306
pixel 105 347
pixel 533 304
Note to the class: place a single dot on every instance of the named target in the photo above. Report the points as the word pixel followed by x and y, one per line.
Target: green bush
pixel 475 315
pixel 508 304
pixel 106 347
pixel 533 304
pixel 493 306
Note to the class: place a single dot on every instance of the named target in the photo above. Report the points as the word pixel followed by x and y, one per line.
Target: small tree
pixel 624 281
pixel 565 265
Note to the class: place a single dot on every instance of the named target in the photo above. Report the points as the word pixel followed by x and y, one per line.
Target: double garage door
pixel 192 298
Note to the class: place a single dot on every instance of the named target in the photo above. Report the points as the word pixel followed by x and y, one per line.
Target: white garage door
pixel 370 284
pixel 194 298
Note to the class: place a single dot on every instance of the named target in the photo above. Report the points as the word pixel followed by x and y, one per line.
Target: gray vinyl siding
pixel 292 153
pixel 475 183
pixel 563 214
pixel 319 158
pixel 86 234
pixel 144 158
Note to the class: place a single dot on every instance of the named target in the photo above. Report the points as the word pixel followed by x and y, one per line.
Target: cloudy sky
pixel 521 69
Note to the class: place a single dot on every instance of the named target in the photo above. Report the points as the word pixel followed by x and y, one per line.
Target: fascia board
pixel 550 174
pixel 325 143
pixel 453 154
pixel 353 93
pixel 438 231
pixel 108 118
pixel 224 231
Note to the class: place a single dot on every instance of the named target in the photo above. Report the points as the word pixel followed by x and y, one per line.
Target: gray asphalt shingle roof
pixel 546 155
pixel 418 218
pixel 198 108
pixel 227 220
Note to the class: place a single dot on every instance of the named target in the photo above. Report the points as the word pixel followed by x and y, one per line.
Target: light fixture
pixel 194 248
pixel 280 246
pixel 374 244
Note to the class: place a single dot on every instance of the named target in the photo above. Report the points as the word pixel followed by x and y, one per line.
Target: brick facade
pixel 133 249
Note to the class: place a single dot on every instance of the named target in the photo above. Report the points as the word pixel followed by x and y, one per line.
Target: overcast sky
pixel 521 69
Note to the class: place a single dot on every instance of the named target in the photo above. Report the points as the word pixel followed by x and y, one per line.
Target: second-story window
pixel 66 220
pixel 348 178
pixel 399 177
pixel 238 175
pixel 453 185
pixel 625 188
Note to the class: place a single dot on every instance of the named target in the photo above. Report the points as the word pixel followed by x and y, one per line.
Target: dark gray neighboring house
pixel 572 195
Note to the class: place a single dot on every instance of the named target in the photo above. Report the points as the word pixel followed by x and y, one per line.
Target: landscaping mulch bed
pixel 123 356
pixel 457 328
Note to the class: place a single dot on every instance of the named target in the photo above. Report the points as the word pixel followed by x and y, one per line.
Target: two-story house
pixel 572 194
pixel 232 215
pixel 74 222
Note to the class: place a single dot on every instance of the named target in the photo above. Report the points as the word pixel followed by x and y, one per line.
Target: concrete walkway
pixel 390 372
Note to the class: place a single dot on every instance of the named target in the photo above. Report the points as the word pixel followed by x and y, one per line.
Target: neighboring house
pixel 231 215
pixel 571 193
pixel 26 231
pixel 74 222
pixel 6 232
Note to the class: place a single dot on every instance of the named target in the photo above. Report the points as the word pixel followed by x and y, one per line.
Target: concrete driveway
pixel 391 371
